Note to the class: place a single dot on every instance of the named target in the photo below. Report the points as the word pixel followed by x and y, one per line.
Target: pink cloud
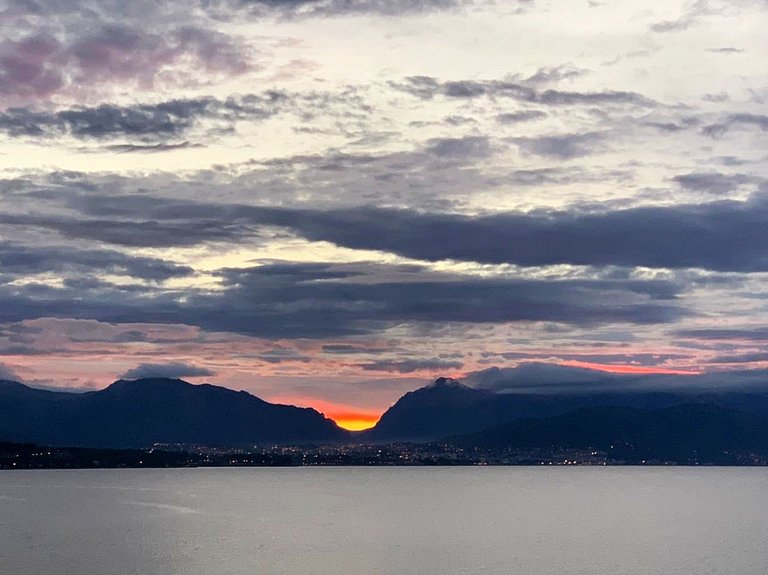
pixel 43 68
pixel 30 69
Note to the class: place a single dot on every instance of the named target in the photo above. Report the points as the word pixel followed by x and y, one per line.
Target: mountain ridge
pixel 139 413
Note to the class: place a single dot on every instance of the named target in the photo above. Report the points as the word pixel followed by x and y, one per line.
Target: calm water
pixel 397 521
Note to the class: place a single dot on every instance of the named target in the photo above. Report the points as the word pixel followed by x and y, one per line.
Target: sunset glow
pixel 345 416
pixel 355 421
pixel 629 369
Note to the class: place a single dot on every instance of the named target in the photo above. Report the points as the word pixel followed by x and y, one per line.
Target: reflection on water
pixel 395 521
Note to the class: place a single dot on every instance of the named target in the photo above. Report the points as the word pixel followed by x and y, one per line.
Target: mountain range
pixel 449 408
pixel 144 412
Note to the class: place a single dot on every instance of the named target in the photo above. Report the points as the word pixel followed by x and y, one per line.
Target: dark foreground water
pixel 397 521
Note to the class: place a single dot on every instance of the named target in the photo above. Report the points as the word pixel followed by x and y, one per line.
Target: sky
pixel 332 202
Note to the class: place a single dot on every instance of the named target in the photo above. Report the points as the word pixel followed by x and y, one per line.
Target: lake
pixel 398 521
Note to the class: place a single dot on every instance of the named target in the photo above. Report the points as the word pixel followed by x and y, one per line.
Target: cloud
pixel 539 376
pixel 535 377
pixel 411 365
pixel 717 183
pixel 553 75
pixel 561 146
pixel 319 300
pixel 140 121
pixel 151 148
pixel 521 116
pixel 171 370
pixel 693 12
pixel 83 49
pixel 7 374
pixel 734 120
pixel 30 68
pixel 427 88
pixel 749 334
pixel 466 147
pixel 725 50
pixel 331 8
pixel 632 359
pixel 721 236
pixel 17 259
pixel 741 358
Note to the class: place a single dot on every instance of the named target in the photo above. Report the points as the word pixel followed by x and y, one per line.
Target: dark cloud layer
pixel 721 236
pixel 535 377
pixel 322 300
pixel 749 334
pixel 22 260
pixel 173 370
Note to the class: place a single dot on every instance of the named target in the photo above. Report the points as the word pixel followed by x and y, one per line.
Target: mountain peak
pixel 447 383
pixel 147 381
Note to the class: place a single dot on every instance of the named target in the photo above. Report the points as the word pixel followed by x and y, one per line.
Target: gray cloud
pixel 720 128
pixel 521 116
pixel 561 146
pixel 691 15
pixel 749 334
pixel 720 236
pixel 535 377
pixel 427 87
pixel 349 349
pixel 717 183
pixel 639 359
pixel 282 355
pixel 410 365
pixel 173 370
pixel 141 121
pixel 741 358
pixel 322 300
pixel 723 236
pixel 329 8
pixel 467 147
pixel 17 259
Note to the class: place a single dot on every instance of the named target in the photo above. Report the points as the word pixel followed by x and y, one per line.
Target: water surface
pixel 398 521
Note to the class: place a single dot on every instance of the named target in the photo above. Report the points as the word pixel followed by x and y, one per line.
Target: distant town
pixel 30 456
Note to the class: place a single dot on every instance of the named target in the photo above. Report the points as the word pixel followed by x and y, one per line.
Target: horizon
pixel 527 378
pixel 327 203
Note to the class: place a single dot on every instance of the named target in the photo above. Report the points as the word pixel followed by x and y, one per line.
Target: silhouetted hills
pixel 146 411
pixel 682 433
pixel 448 408
pixel 638 425
pixel 443 408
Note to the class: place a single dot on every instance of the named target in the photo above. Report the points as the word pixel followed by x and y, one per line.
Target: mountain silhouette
pixel 142 412
pixel 686 432
pixel 447 407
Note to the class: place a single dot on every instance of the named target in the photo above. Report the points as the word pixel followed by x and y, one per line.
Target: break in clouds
pixel 335 199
